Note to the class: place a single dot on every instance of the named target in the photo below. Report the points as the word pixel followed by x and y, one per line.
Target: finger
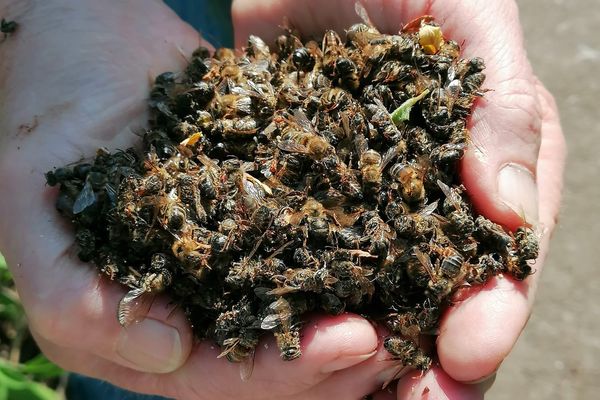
pixel 312 17
pixel 435 384
pixel 97 367
pixel 329 344
pixel 478 333
pixel 377 372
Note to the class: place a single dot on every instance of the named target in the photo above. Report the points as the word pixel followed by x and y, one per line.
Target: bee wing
pixel 361 11
pixel 244 104
pixel 343 218
pixel 292 147
pixel 85 198
pixel 301 119
pixel 361 144
pixel 425 261
pixel 255 188
pixel 271 321
pixel 282 290
pixel 389 156
pixel 429 209
pixel 450 195
pixel 134 306
pixel 247 366
pixel 229 345
pixel 211 167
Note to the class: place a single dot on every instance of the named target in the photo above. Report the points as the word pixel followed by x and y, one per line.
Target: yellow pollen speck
pixel 431 38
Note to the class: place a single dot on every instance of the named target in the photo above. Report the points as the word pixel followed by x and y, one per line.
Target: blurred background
pixel 558 354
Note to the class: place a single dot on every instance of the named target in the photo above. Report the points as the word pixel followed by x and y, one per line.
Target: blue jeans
pixel 213 19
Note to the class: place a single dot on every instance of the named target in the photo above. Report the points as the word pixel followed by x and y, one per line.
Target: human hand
pixel 514 165
pixel 75 77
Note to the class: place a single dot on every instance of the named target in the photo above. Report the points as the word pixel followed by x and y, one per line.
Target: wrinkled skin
pixel 76 76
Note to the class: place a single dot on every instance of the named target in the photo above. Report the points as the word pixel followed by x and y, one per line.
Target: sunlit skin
pixel 75 76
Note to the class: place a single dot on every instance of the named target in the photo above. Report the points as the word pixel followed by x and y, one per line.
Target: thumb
pixel 67 302
pixel 499 168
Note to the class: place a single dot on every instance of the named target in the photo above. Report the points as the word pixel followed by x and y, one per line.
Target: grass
pixel 31 377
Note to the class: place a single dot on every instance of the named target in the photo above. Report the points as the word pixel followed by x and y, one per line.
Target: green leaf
pixel 41 367
pixel 14 384
pixel 402 113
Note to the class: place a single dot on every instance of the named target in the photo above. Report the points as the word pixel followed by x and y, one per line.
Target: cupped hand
pixel 512 169
pixel 75 76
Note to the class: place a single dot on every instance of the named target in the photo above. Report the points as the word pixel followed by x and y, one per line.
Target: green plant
pixel 20 380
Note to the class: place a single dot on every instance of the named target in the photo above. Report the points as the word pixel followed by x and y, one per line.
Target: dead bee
pixel 411 177
pixel 492 234
pixel 298 136
pixel 379 233
pixel 372 165
pixel 347 73
pixel 287 336
pixel 332 49
pixel 257 48
pixel 189 193
pixel 419 223
pixel 303 59
pixel 407 352
pixel 134 306
pixel 527 250
pixel 192 249
pixel 456 210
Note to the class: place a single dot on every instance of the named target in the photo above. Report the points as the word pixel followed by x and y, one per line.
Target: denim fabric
pixel 213 19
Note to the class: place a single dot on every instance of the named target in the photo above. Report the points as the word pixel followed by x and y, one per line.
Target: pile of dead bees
pixel 320 177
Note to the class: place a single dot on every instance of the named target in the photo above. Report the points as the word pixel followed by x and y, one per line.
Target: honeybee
pixel 405 323
pixel 232 105
pixel 372 165
pixel 408 353
pixel 298 136
pixel 134 306
pixel 287 336
pixel 441 281
pixel 526 250
pixel 380 118
pixel 492 234
pixel 303 60
pixel 192 249
pixel 361 33
pixel 419 223
pixel 332 49
pixel 189 193
pixel 347 73
pixel 241 350
pixel 305 280
pixel 378 231
pixel 411 177
pixel 456 210
pixel 257 48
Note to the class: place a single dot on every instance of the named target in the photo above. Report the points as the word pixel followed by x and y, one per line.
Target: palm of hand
pixel 94 93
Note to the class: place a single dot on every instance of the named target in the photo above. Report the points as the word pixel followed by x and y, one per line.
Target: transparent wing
pixel 85 198
pixel 247 366
pixel 271 321
pixel 429 209
pixel 134 307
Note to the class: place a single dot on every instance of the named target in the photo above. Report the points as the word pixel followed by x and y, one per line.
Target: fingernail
pixel 344 362
pixel 518 190
pixel 151 346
